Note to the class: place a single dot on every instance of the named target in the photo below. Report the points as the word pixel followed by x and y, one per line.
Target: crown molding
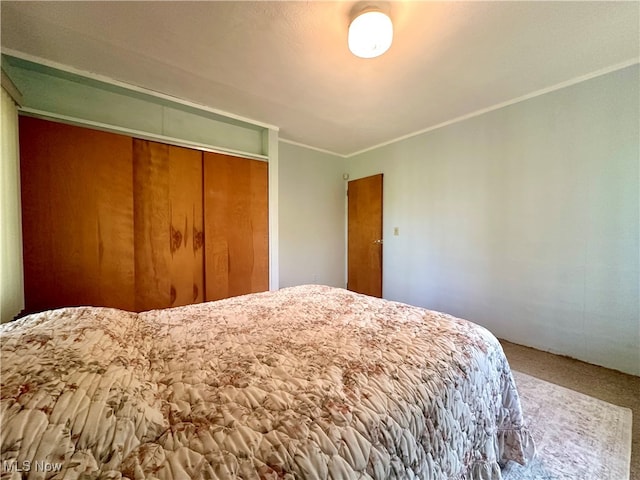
pixel 11 88
pixel 310 147
pixel 135 88
pixel 537 93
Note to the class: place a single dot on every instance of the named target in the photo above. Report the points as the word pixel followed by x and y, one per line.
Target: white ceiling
pixel 287 63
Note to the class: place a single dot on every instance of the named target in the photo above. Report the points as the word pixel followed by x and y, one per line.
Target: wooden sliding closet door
pixel 168 225
pixel 236 226
pixel 77 216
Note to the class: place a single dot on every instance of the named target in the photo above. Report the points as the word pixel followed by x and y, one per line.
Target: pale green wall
pixel 55 91
pixel 525 220
pixel 311 217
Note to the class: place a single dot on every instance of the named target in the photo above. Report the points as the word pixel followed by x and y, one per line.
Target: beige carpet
pixel 577 437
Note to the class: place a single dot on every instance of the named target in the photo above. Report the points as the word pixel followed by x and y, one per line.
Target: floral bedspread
pixel 308 382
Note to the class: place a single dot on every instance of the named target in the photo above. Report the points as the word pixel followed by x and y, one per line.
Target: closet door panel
pixel 77 215
pixel 236 226
pixel 168 225
pixel 187 227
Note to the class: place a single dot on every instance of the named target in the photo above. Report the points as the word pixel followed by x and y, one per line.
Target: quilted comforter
pixel 308 382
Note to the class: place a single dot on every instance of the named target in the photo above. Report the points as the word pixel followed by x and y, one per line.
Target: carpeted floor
pixel 608 385
pixel 578 437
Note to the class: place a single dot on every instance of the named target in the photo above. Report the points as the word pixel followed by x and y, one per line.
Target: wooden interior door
pixel 77 216
pixel 236 226
pixel 169 263
pixel 364 250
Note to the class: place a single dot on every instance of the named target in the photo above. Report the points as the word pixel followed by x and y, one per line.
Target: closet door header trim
pixel 31 112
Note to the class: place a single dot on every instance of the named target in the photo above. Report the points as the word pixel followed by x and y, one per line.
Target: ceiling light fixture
pixel 370 34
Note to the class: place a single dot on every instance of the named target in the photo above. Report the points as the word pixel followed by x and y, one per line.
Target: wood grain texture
pixel 77 215
pixel 236 226
pixel 187 221
pixel 169 263
pixel 364 229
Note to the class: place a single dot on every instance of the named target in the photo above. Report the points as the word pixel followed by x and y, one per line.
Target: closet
pixel 110 220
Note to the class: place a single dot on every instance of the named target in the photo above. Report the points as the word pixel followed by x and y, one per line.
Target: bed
pixel 308 382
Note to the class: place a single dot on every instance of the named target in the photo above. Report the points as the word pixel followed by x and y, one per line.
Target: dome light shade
pixel 370 34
